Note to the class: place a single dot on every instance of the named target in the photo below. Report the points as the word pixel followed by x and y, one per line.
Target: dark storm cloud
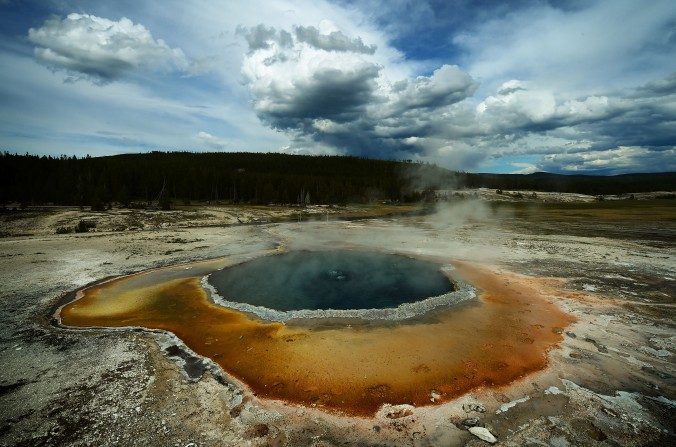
pixel 640 123
pixel 329 93
pixel 660 87
pixel 339 98
pixel 334 41
pixel 348 106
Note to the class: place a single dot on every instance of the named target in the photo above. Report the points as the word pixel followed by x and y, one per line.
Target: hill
pixel 267 178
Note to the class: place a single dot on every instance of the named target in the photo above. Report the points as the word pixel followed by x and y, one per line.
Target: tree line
pixel 184 177
pixel 261 178
pixel 581 184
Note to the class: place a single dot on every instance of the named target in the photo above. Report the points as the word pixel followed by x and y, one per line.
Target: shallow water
pixel 351 369
pixel 337 279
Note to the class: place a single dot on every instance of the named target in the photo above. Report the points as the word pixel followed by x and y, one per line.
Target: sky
pixel 586 87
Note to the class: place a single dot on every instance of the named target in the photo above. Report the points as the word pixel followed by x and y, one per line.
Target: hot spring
pixel 340 279
pixel 274 323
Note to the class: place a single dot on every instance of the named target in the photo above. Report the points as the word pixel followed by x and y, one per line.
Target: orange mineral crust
pixel 349 369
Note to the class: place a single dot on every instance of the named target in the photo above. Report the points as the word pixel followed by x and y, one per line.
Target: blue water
pixel 339 279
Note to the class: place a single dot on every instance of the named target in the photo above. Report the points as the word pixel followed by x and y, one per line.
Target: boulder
pixel 483 434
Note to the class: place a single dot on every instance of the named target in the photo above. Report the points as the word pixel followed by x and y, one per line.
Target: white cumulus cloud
pixel 212 141
pixel 101 49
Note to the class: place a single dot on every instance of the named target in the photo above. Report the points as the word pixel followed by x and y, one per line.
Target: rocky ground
pixel 611 381
pixel 47 220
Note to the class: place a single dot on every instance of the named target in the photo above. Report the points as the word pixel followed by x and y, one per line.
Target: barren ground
pixel 610 381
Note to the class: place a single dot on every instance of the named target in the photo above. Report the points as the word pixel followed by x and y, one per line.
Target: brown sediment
pixel 492 341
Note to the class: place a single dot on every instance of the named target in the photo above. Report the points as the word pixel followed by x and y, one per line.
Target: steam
pixel 427 178
pixel 454 207
pixel 463 213
pixel 457 224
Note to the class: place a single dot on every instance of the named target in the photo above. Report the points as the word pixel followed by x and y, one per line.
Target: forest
pixel 167 178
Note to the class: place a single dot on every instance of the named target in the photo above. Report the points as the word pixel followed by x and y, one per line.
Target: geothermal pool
pixel 413 354
pixel 337 279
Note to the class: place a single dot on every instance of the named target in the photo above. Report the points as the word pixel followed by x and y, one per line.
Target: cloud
pixel 260 37
pixel 447 85
pixel 87 46
pixel 332 41
pixel 517 108
pixel 212 141
pixel 577 48
pixel 341 97
pixel 617 160
pixel 515 105
pixel 657 88
pixel 327 93
pixel 37 115
pixel 524 168
pixel 465 86
pixel 521 120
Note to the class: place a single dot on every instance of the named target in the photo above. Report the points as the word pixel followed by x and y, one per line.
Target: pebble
pixel 474 407
pixel 399 412
pixel 470 422
pixel 553 390
pixel 483 434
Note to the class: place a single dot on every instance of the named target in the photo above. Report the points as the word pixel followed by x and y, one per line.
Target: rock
pixel 661 353
pixel 474 407
pixel 571 334
pixel 470 422
pixel 554 421
pixel 236 410
pixel 559 441
pixel 257 431
pixel 599 346
pixel 483 434
pixel 505 407
pixel 553 390
pixel 398 413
